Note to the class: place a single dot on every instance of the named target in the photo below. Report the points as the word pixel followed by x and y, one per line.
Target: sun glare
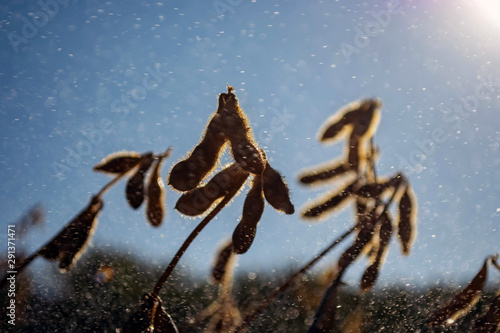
pixel 490 9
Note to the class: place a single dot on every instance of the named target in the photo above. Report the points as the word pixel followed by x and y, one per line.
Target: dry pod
pixel 325 173
pixel 151 318
pixel 187 174
pixel 199 200
pixel 276 191
pixel 339 123
pixel 156 195
pixel 224 260
pixel 135 186
pixel 407 220
pixel 333 201
pixel 70 243
pixel 119 163
pixel 235 126
pixel 462 302
pixel 489 322
pixel 367 118
pixel 364 237
pixel 371 274
pixel 253 208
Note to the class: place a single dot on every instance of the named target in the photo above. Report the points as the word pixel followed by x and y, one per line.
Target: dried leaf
pixel 187 174
pixel 489 322
pixel 371 274
pixel 276 191
pixel 462 303
pixel 156 195
pixel 253 208
pixel 70 243
pixel 223 262
pixel 118 163
pixel 333 201
pixel 407 220
pixel 134 191
pixel 142 321
pixel 325 173
pixel 199 200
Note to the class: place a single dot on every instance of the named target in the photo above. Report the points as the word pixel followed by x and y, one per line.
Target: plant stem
pixel 265 303
pixel 19 268
pixel 168 271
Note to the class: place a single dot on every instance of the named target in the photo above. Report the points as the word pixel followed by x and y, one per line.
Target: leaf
pixel 407 220
pixel 276 190
pixel 150 318
pixel 134 191
pixel 462 303
pixel 70 243
pixel 253 208
pixel 156 195
pixel 119 163
pixel 323 174
pixel 223 262
pixel 199 200
pixel 332 202
pixel 188 173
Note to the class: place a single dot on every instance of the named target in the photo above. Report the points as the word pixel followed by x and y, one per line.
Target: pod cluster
pixel 140 189
pixel 229 126
pixel 374 224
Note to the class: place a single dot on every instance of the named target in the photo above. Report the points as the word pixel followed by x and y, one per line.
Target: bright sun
pixel 490 9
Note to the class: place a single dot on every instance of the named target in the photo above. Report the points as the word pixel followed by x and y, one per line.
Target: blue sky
pixel 435 65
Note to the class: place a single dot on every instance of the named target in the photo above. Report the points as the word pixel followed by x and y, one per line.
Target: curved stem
pixel 265 303
pixel 168 271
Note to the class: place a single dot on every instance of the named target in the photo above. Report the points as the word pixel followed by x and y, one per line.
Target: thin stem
pixel 111 183
pixel 19 268
pixel 29 259
pixel 168 271
pixel 265 303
